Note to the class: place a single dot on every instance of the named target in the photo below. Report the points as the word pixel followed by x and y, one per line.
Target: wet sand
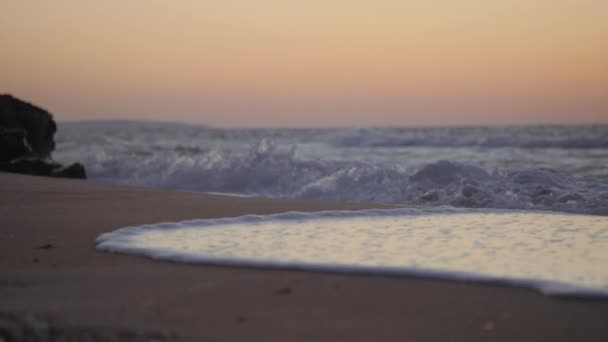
pixel 49 268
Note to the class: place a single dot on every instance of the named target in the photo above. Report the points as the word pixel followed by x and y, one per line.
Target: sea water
pixel 562 169
pixel 558 254
pixel 557 168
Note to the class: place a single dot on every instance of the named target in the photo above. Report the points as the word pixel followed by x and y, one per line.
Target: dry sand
pixel 49 268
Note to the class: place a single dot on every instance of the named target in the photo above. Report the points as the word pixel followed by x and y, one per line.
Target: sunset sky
pixel 310 63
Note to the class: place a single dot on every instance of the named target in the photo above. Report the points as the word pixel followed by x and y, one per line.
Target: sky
pixel 310 63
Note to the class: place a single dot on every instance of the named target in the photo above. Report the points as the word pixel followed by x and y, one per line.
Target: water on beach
pixel 556 168
pixel 461 176
pixel 558 254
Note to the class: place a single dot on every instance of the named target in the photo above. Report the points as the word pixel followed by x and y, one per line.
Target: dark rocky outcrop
pixel 37 123
pixel 75 170
pixel 26 141
pixel 13 143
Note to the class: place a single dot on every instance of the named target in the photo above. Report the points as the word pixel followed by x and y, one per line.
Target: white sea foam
pixel 558 254
pixel 462 167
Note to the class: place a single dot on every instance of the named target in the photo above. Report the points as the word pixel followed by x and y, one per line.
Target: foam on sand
pixel 558 254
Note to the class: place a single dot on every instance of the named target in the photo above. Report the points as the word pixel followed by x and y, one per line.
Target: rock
pixel 42 167
pixel 26 141
pixel 75 170
pixel 13 144
pixel 34 167
pixel 38 124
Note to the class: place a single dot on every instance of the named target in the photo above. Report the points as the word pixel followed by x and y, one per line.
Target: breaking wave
pixel 269 169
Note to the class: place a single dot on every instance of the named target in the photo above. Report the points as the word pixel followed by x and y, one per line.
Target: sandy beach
pixel 49 269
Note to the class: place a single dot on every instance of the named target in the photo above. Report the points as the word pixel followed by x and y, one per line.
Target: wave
pixel 586 137
pixel 537 254
pixel 267 169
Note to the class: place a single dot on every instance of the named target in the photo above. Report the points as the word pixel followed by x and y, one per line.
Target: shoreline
pixel 49 267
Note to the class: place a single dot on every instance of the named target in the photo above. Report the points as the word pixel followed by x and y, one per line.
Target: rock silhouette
pixel 27 140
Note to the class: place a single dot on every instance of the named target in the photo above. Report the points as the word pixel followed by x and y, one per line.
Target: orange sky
pixel 312 63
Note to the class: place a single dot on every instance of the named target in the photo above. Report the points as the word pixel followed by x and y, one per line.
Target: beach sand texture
pixel 49 268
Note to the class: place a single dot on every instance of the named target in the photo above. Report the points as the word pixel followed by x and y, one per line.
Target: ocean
pixel 554 168
pixel 492 204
